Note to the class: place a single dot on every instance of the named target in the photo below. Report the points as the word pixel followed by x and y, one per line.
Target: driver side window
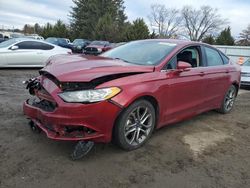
pixel 191 55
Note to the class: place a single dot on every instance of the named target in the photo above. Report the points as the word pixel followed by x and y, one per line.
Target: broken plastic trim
pixel 74 86
pixel 32 84
pixel 43 104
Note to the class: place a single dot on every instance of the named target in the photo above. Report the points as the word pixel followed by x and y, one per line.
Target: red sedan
pixel 97 47
pixel 129 91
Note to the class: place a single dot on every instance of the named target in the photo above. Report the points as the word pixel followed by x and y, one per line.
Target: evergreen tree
pixel 138 30
pixel 225 37
pixel 153 35
pixel 28 29
pixel 37 29
pixel 106 29
pixel 89 15
pixel 60 30
pixel 47 31
pixel 209 39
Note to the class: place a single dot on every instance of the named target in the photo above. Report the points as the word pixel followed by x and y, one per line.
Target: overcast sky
pixel 19 12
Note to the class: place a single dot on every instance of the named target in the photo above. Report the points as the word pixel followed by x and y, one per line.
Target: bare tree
pixel 245 37
pixel 165 20
pixel 200 22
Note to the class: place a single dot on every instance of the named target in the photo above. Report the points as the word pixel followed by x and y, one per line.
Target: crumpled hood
pixel 82 68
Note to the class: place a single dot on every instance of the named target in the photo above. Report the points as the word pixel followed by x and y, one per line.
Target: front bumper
pixel 92 52
pixel 245 81
pixel 73 121
pixel 77 49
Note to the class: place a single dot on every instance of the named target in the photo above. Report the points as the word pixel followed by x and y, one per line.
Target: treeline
pixel 59 29
pixel 106 20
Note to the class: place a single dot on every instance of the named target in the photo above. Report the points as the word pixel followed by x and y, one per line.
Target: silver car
pixel 24 52
pixel 245 73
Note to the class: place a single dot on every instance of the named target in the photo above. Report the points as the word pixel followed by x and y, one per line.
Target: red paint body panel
pixel 97 116
pixel 179 94
pixel 86 68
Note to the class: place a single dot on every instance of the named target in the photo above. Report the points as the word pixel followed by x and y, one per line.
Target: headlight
pixel 99 49
pixel 94 95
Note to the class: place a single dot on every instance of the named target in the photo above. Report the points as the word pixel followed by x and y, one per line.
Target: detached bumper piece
pixel 81 149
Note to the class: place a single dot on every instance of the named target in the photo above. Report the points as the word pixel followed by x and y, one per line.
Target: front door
pixel 185 89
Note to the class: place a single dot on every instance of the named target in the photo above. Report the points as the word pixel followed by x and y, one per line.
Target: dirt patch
pixel 199 142
pixel 221 143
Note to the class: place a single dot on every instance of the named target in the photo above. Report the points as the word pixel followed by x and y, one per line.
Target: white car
pixel 23 52
pixel 37 37
pixel 245 74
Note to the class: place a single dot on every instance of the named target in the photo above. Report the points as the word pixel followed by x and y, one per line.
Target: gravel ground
pixel 210 150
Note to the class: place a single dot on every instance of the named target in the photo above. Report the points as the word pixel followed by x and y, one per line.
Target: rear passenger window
pixel 225 59
pixel 34 45
pixel 213 57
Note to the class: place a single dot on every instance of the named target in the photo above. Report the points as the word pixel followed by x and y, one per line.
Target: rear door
pixel 217 73
pixel 25 55
pixel 29 53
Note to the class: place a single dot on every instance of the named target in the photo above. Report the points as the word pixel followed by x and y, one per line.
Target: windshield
pixel 247 63
pixel 52 40
pixel 16 35
pixel 8 43
pixel 78 41
pixel 99 43
pixel 141 52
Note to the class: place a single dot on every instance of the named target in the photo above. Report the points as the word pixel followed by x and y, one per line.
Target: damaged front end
pixel 85 123
pixel 62 120
pixel 69 103
pixel 41 99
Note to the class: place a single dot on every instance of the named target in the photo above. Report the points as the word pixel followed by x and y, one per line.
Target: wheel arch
pixel 237 86
pixel 150 99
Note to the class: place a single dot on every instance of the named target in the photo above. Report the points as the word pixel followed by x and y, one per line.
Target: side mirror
pixel 181 65
pixel 14 47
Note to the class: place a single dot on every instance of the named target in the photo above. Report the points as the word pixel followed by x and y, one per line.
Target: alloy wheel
pixel 230 98
pixel 138 125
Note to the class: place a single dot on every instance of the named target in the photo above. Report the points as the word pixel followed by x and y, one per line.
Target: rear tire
pixel 135 125
pixel 228 101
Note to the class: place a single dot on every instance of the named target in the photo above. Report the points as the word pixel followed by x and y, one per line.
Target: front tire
pixel 135 125
pixel 228 101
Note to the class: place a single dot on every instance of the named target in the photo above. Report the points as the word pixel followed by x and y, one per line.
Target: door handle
pixel 202 73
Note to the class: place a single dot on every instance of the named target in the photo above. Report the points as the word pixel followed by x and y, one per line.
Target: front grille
pixel 42 104
pixel 91 49
pixel 245 83
pixel 74 86
pixel 245 74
